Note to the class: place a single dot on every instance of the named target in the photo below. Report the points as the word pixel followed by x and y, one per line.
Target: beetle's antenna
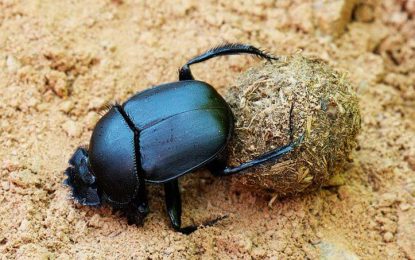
pixel 223 50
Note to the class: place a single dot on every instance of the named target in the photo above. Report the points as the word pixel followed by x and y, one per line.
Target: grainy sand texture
pixel 61 62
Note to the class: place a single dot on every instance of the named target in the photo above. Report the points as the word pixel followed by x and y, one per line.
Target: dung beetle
pixel 157 136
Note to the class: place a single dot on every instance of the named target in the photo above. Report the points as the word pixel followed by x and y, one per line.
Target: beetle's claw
pixel 271 59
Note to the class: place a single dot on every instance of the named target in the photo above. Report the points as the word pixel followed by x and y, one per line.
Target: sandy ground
pixel 61 62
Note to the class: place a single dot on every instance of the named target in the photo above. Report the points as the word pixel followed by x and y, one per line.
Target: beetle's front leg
pixel 135 214
pixel 137 210
pixel 81 180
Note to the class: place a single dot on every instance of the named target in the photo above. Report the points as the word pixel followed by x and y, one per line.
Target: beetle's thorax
pixel 114 156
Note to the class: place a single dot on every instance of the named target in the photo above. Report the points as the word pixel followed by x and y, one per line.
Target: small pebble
pixel 42 107
pixel 96 103
pixel 364 13
pixel 404 206
pixel 23 178
pixel 72 129
pixel 5 185
pixel 91 119
pixel 66 106
pixel 95 221
pixel 12 63
pixel 388 237
pixel 387 200
pixel 58 82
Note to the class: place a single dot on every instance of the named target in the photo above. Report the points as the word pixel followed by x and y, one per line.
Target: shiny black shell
pixel 163 133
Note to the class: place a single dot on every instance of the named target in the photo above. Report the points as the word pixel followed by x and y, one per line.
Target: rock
pixel 71 128
pixel 57 81
pixel 302 15
pixel 259 252
pixel 42 107
pixel 33 251
pixel 5 185
pixel 344 192
pixel 11 165
pixel 404 206
pixel 406 232
pixel 398 18
pixel 388 237
pixel 278 245
pixel 335 180
pixel 91 119
pixel 95 221
pixel 66 106
pixel 411 161
pixel 12 63
pixel 23 178
pixel 410 7
pixel 364 13
pixel 369 68
pixel 96 103
pixel 109 46
pixel 364 37
pixel 245 243
pixel 330 250
pixel 332 17
pixel 387 200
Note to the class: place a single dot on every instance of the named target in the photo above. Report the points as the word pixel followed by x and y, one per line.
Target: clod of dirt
pixel 332 17
pixel 364 13
pixel 297 96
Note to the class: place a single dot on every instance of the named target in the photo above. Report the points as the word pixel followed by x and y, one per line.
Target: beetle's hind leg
pixel 223 50
pixel 219 167
pixel 174 209
pixel 81 180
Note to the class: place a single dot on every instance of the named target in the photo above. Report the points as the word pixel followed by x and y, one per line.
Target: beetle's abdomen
pixel 183 125
pixel 182 143
pixel 112 157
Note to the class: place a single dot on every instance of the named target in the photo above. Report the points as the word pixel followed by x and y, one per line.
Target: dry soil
pixel 61 62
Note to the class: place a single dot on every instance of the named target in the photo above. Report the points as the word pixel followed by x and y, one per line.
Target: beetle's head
pixel 81 180
pixel 108 171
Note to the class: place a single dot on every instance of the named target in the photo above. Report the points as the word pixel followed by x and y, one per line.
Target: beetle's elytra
pixel 157 136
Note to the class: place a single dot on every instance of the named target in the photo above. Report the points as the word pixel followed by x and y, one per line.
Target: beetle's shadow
pixel 206 196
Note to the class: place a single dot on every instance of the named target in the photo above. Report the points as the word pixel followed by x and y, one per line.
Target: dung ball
pixel 275 103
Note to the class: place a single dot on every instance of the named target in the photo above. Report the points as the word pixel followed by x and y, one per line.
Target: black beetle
pixel 157 136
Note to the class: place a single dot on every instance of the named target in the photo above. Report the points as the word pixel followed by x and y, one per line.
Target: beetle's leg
pixel 174 208
pixel 137 210
pixel 81 180
pixel 173 203
pixel 219 168
pixel 222 50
